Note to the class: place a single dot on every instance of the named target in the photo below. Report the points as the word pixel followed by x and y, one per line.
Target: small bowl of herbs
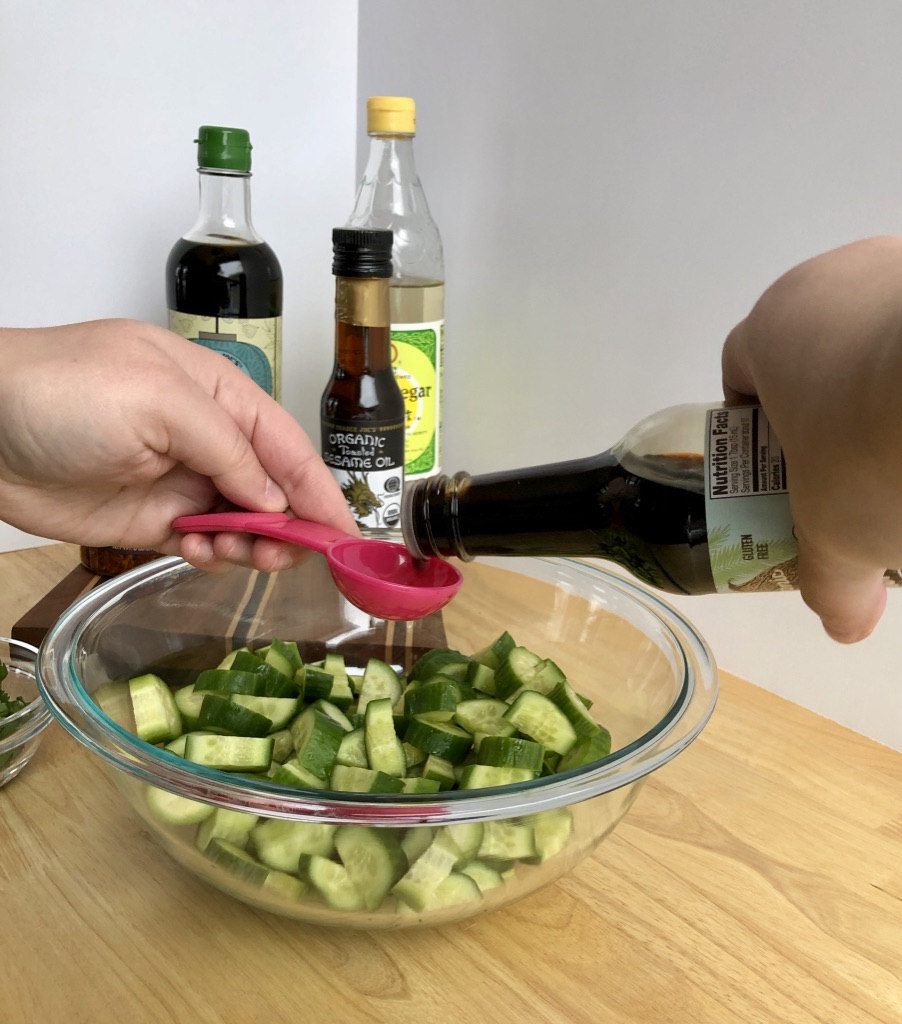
pixel 23 713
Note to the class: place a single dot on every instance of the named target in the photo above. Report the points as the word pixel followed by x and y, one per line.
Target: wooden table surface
pixel 758 878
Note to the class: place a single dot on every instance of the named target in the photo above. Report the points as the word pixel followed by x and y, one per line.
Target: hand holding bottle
pixel 822 352
pixel 113 428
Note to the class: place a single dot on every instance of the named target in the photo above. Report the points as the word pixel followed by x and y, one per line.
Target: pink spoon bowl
pixel 380 577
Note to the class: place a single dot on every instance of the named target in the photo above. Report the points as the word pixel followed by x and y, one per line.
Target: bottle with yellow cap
pixel 391 197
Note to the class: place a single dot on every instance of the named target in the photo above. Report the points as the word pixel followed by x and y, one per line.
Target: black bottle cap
pixel 361 252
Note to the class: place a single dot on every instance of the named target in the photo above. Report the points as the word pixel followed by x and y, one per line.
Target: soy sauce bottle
pixel 223 281
pixel 693 500
pixel 362 409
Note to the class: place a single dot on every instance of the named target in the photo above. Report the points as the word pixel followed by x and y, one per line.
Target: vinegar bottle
pixel 693 500
pixel 362 409
pixel 391 196
pixel 223 282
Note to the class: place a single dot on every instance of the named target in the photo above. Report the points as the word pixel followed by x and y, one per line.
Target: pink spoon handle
pixel 266 524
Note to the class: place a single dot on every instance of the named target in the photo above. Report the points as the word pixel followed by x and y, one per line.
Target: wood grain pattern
pixel 758 878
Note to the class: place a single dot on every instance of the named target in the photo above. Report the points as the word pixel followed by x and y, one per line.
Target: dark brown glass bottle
pixel 653 503
pixel 223 281
pixel 362 408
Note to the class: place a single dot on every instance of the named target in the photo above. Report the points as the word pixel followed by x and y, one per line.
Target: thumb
pixel 849 599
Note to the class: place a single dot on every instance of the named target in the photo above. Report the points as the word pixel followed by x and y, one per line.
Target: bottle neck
pixel 362 325
pixel 224 216
pixel 391 196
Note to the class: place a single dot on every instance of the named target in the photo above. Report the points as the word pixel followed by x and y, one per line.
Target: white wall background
pixel 616 182
pixel 99 107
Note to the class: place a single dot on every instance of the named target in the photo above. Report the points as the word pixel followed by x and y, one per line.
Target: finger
pixel 738 386
pixel 849 599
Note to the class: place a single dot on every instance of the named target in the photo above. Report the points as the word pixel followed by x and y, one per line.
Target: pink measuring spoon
pixel 380 577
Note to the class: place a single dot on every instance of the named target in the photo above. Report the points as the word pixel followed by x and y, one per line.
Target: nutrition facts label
pixel 750 530
pixel 744 455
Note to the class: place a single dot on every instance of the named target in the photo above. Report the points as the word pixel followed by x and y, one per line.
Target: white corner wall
pixel 616 184
pixel 99 107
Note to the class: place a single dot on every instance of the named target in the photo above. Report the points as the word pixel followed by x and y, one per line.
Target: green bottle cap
pixel 226 148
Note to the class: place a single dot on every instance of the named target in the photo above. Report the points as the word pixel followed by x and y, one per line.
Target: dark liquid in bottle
pixel 224 280
pixel 585 508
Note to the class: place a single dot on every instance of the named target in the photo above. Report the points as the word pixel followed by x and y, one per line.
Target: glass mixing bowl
pixel 649 675
pixel 20 733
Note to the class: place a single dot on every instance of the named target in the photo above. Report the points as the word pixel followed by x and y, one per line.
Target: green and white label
pixel 416 356
pixel 254 346
pixel 750 530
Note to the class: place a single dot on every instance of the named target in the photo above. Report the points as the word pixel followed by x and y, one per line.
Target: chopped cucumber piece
pixel 421 880
pixel 373 859
pixel 333 882
pixel 511 752
pixel 568 700
pixel 484 776
pixel 292 773
pixel 495 654
pixel 341 693
pixel 384 749
pixel 586 751
pixel 352 750
pixel 484 875
pixel 281 844
pixel 157 718
pixel 279 710
pixel 507 840
pixel 441 738
pixel 317 738
pixel 228 680
pixel 551 831
pixel 233 826
pixel 380 681
pixel 539 718
pixel 348 779
pixel 230 753
pixel 224 716
pixel 172 809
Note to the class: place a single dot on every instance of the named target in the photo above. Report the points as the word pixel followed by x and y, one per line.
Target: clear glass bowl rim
pixel 35 716
pixel 77 712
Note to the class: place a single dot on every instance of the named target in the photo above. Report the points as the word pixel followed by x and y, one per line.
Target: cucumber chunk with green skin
pixel 464 837
pixel 513 673
pixel 225 717
pixel 538 717
pixel 281 844
pixel 188 701
pixel 282 745
pixel 586 751
pixel 414 755
pixel 240 863
pixel 279 710
pixel 348 779
pixel 438 770
pixel 440 659
pixel 291 773
pixel 277 683
pixel 484 875
pixel 552 830
pixel 423 877
pixel 157 718
pixel 227 680
pixel 237 654
pixel 481 678
pixel 341 693
pixel 506 841
pixel 352 750
pixel 373 859
pixel 495 654
pixel 436 700
pixel 417 840
pixel 384 749
pixel 172 809
pixel 510 752
pixel 486 776
pixel 313 683
pixel 379 681
pixel 233 826
pixel 115 701
pixel 229 753
pixel 284 656
pixel 444 739
pixel 333 882
pixel 316 740
pixel 457 888
pixel 417 784
pixel 568 700
pixel 335 713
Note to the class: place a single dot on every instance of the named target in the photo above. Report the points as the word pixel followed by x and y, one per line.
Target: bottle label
pixel 416 356
pixel 367 460
pixel 751 536
pixel 254 346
